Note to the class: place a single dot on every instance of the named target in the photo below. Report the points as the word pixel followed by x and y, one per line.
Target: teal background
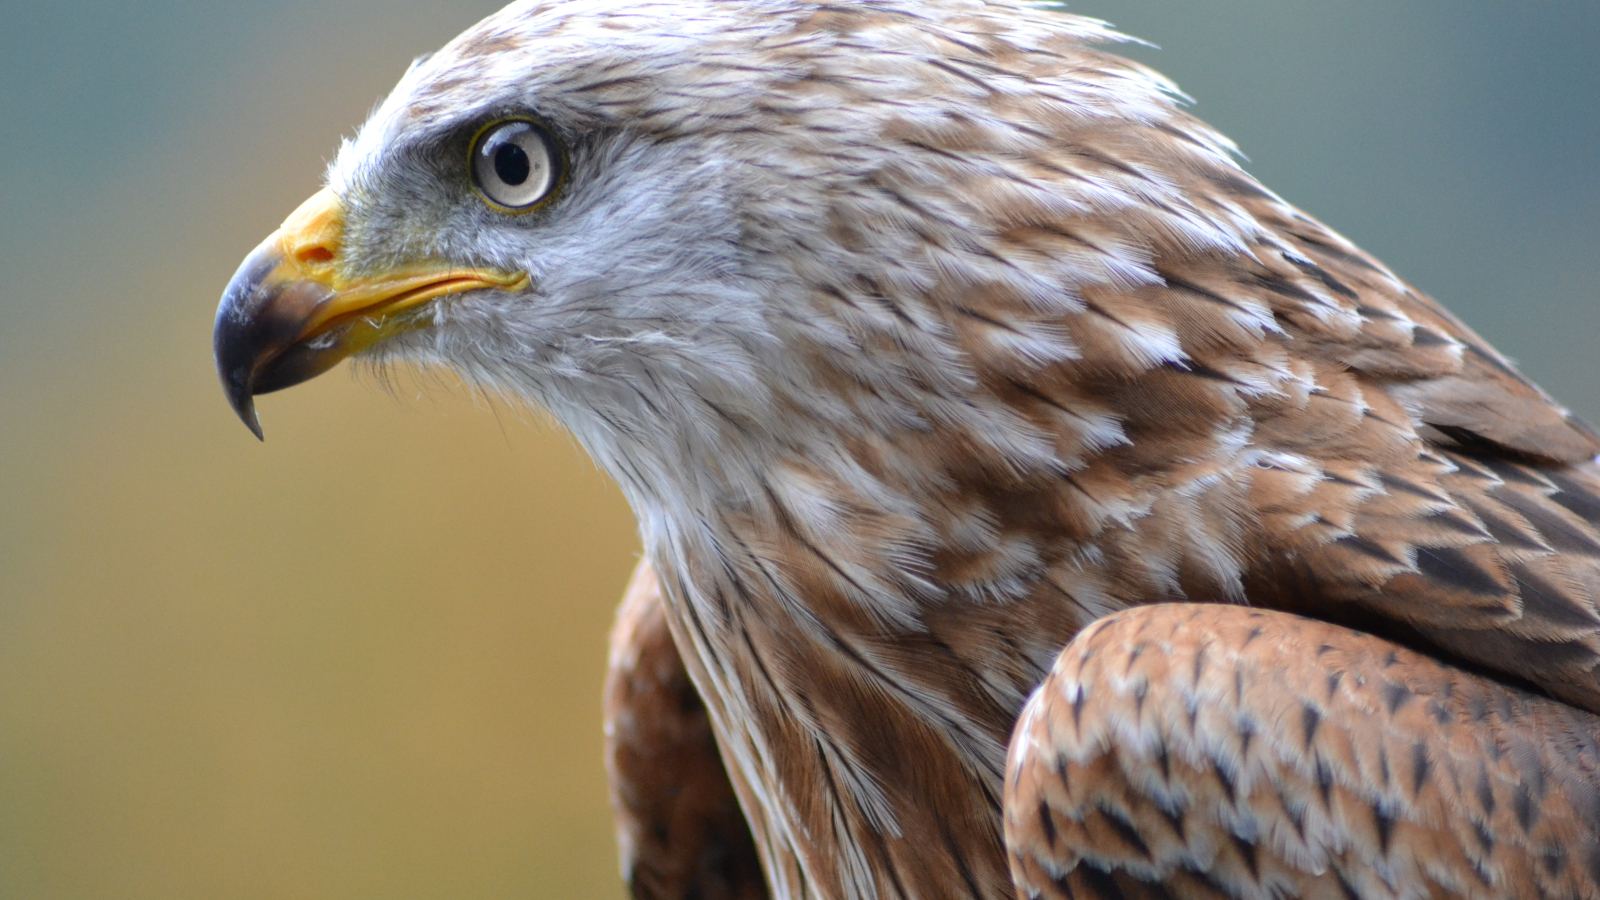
pixel 364 659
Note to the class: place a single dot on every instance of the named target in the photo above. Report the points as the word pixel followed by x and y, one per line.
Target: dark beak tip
pixel 251 421
pixel 237 387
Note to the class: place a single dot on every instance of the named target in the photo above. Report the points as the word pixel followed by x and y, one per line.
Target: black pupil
pixel 511 164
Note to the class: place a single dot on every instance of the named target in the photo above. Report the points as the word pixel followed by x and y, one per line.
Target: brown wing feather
pixel 1201 751
pixel 681 832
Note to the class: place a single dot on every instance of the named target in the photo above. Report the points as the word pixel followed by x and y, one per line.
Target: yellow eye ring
pixel 515 164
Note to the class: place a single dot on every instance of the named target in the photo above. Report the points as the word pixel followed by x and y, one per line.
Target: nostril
pixel 315 255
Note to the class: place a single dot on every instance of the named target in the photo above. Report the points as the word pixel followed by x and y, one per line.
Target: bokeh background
pixel 364 659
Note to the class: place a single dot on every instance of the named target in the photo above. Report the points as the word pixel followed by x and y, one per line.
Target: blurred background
pixel 364 658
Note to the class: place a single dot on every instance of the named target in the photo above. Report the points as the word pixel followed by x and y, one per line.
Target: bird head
pixel 538 204
pixel 691 224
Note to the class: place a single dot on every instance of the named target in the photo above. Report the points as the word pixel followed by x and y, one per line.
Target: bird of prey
pixel 1034 503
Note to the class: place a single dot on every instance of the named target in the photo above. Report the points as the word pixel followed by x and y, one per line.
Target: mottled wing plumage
pixel 1189 752
pixel 679 826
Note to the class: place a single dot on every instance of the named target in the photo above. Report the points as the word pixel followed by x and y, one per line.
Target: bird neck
pixel 839 600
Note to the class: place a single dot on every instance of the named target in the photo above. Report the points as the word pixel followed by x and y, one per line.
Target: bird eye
pixel 514 164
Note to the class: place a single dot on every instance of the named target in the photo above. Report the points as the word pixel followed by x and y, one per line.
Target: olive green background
pixel 363 660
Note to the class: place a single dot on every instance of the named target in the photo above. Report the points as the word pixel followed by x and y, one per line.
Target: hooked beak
pixel 289 314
